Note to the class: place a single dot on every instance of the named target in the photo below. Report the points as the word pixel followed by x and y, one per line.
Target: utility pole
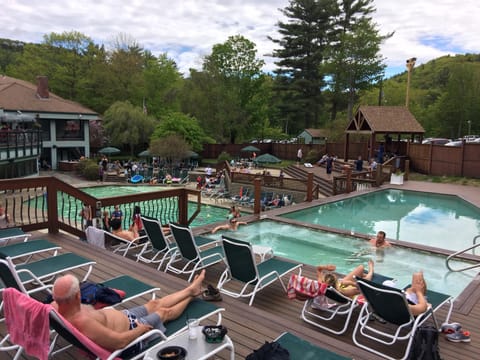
pixel 410 65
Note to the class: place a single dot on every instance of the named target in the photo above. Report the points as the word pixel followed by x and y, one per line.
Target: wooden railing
pixel 48 203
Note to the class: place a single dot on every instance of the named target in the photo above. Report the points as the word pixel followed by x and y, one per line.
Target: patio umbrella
pixel 144 153
pixel 192 155
pixel 109 150
pixel 267 159
pixel 250 148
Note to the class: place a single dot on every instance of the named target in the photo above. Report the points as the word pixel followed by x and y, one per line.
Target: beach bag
pixel 425 344
pixel 99 295
pixel 269 351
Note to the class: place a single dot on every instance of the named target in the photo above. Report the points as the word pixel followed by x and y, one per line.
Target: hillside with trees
pixel 328 63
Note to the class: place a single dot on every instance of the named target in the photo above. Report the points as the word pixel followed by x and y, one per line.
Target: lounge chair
pixel 241 266
pixel 121 245
pixel 157 249
pixel 198 309
pixel 39 272
pixel 324 312
pixel 27 249
pixel 391 305
pixel 189 256
pixel 301 349
pixel 12 233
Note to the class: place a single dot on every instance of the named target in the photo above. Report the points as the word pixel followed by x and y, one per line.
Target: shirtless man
pixel 114 329
pixel 380 241
pixel 117 230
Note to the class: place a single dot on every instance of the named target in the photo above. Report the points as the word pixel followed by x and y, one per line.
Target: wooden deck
pixel 271 314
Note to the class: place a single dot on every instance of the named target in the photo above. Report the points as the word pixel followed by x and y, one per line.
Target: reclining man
pixel 114 329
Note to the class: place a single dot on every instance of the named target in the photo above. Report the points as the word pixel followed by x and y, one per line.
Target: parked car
pixel 471 138
pixel 454 143
pixel 436 141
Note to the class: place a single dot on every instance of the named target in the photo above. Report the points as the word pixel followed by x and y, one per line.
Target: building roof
pixel 384 119
pixel 316 133
pixel 20 95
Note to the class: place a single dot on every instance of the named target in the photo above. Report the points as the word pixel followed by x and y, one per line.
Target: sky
pixel 186 30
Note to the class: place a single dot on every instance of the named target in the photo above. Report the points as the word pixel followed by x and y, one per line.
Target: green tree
pixel 302 50
pixel 173 148
pixel 127 124
pixel 354 63
pixel 184 126
pixel 236 78
pixel 163 83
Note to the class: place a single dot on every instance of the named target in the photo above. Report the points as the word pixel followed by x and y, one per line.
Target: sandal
pixel 459 336
pixel 450 328
pixel 211 294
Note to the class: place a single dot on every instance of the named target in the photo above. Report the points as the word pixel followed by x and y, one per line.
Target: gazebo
pixel 386 120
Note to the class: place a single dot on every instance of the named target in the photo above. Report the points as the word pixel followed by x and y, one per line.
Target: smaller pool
pixel 315 247
pixel 209 214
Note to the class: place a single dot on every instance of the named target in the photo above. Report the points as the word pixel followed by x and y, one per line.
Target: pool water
pixel 209 214
pixel 443 221
pixel 314 247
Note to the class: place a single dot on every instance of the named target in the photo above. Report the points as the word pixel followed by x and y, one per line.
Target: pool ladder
pixel 475 245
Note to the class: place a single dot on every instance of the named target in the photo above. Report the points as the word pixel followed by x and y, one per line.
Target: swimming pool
pixel 209 214
pixel 314 247
pixel 443 221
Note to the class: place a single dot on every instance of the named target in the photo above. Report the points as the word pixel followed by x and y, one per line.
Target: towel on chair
pixel 95 236
pixel 27 322
pixel 301 286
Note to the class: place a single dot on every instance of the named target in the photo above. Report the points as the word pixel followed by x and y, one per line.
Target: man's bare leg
pixel 187 294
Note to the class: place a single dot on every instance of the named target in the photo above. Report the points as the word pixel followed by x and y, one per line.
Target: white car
pixel 454 143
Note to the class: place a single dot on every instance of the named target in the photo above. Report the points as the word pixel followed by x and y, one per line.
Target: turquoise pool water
pixel 315 247
pixel 442 221
pixel 209 214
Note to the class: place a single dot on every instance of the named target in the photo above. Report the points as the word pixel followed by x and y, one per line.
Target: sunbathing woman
pixel 347 285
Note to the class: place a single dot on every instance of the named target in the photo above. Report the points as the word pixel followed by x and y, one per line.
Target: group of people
pixel 415 294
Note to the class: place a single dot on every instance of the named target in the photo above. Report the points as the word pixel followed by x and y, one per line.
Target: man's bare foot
pixel 196 286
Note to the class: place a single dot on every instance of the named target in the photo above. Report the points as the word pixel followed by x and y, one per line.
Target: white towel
pixel 95 236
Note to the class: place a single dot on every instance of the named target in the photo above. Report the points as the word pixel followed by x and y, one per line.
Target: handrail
pixel 447 261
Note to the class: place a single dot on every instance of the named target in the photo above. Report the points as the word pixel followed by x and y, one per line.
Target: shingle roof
pixel 21 95
pixel 316 133
pixel 385 119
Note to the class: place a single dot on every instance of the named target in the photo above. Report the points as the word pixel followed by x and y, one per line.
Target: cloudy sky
pixel 187 29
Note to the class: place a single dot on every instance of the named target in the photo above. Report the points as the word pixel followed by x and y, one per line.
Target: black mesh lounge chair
pixel 189 257
pixel 301 349
pixel 325 317
pixel 391 305
pixel 337 305
pixel 241 266
pixel 157 249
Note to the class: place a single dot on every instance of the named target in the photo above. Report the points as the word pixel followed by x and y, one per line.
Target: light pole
pixel 469 122
pixel 410 65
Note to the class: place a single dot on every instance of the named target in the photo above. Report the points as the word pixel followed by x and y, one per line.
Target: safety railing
pixel 452 256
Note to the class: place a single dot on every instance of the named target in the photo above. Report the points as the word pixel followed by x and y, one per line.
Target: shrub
pixel 312 157
pixel 91 171
pixel 224 156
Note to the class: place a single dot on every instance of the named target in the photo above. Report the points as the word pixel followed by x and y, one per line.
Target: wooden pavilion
pixel 386 120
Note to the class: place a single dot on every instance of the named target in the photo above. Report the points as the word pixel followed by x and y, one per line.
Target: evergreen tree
pixel 304 40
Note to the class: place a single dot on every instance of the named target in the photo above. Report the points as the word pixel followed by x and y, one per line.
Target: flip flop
pixel 449 328
pixel 459 336
pixel 211 294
